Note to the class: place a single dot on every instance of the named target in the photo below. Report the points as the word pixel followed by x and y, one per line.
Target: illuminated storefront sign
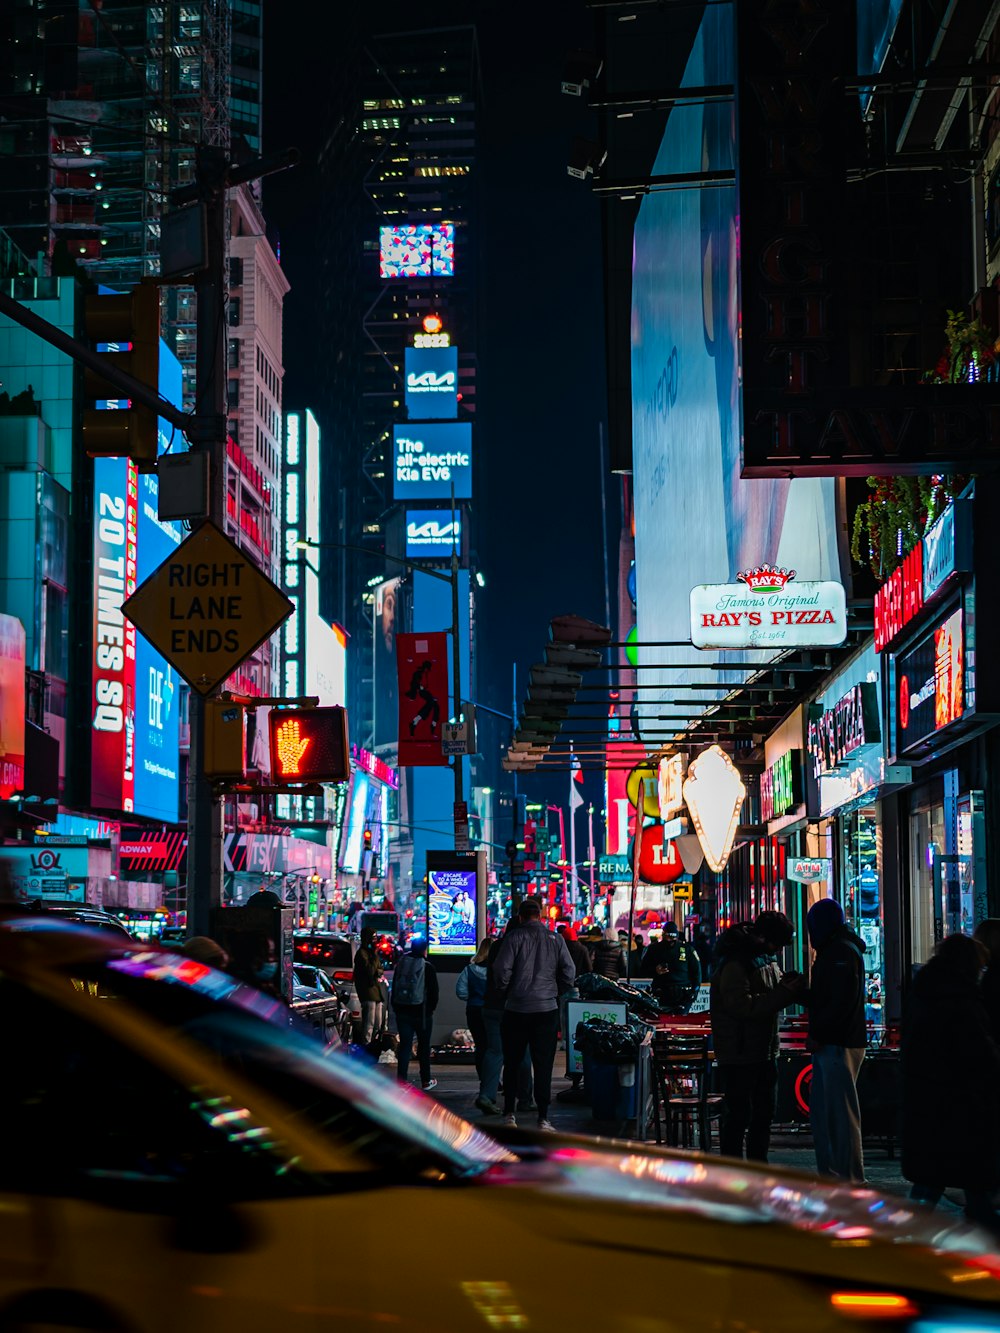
pixel 930 683
pixel 431 533
pixel 900 598
pixel 670 785
pixel 431 382
pixel 766 609
pixel 781 786
pixel 946 549
pixel 432 460
pixel 374 766
pixel 851 723
pixel 808 870
pixel 714 793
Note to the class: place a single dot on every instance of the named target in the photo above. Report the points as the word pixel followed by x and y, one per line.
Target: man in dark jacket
pixel 837 1039
pixel 675 969
pixel 367 983
pixel 748 991
pixel 533 966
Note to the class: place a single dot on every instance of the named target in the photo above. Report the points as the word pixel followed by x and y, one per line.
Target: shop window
pixel 862 882
pixel 926 866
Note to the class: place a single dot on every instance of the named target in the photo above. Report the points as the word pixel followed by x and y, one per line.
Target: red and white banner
pixel 422 667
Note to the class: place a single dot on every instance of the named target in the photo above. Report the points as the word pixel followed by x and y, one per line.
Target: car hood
pixel 724 1205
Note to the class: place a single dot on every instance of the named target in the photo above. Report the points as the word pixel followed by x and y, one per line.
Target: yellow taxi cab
pixel 176 1158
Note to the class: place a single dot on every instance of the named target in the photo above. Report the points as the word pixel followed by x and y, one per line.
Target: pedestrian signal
pixel 309 745
pixel 124 327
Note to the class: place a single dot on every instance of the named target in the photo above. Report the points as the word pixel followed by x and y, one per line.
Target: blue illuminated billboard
pixel 431 459
pixel 431 382
pixel 417 250
pixel 431 533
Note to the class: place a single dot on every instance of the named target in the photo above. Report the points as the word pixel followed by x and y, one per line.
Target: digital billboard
pixel 930 683
pixel 352 844
pixel 451 910
pixel 431 382
pixel 430 460
pixel 135 764
pixel 431 533
pixel 696 520
pixel 417 250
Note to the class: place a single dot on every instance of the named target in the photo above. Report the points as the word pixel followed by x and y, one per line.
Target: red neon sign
pixel 900 598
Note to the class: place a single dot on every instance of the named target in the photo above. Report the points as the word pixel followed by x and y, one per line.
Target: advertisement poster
pixel 686 400
pixel 12 664
pixel 422 669
pixel 432 461
pixel 431 382
pixel 451 911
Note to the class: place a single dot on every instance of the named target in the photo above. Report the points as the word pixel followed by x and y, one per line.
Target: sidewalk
pixel 457 1089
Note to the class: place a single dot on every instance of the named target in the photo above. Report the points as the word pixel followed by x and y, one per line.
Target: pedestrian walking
pixel 675 969
pixel 748 991
pixel 493 1006
pixel 951 1083
pixel 414 997
pixel 609 956
pixel 471 987
pixel 988 935
pixel 837 1040
pixel 367 983
pixel 534 966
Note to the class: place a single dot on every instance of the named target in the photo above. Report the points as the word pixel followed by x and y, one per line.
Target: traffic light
pixel 225 739
pixel 309 745
pixel 126 327
pixel 368 839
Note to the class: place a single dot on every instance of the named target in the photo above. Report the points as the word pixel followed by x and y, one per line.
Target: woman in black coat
pixel 951 1083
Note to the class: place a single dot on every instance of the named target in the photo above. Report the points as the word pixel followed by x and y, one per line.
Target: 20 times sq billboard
pixel 134 761
pixel 135 715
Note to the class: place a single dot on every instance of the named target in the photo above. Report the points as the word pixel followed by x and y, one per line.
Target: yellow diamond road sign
pixel 206 608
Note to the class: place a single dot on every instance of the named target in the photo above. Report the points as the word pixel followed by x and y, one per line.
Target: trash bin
pixel 610 1053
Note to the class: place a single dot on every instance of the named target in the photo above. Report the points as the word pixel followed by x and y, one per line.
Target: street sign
pixel 683 892
pixel 206 608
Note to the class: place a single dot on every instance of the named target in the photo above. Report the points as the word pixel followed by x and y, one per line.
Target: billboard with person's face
pixel 696 520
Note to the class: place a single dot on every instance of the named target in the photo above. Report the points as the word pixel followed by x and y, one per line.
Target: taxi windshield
pixel 363 1109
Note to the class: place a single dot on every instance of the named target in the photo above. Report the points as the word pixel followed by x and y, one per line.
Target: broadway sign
pixel 765 609
pixel 807 410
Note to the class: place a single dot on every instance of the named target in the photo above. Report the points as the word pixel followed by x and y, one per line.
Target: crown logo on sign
pixel 765 578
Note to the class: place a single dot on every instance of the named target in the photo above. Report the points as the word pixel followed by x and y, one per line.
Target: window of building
pixel 234 311
pixel 236 272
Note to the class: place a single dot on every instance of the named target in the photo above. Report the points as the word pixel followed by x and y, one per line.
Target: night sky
pixel 540 390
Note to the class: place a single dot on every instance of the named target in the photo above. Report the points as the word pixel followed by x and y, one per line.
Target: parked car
pixel 214 1151
pixel 316 999
pixel 334 955
pixel 96 918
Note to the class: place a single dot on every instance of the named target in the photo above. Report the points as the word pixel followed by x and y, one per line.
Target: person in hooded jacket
pixel 838 1036
pixel 471 987
pixel 367 983
pixel 609 956
pixel 951 1083
pixel 748 991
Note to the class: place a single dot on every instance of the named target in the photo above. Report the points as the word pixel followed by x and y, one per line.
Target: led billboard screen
pixel 451 910
pixel 135 714
pixel 431 533
pixel 696 520
pixel 431 459
pixel 431 382
pixel 417 250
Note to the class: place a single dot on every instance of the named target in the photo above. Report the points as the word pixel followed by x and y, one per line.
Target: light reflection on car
pixel 185 1157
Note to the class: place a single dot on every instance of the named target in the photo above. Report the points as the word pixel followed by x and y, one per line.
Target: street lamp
pixel 307 544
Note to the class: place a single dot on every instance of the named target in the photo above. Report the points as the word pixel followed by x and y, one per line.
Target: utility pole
pixel 215 175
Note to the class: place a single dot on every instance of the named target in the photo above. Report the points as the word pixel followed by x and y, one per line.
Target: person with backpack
pixel 414 997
